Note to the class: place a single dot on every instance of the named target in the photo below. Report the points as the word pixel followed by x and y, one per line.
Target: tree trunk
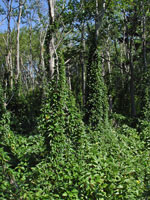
pixel 144 38
pixel 109 72
pixel 129 56
pixel 68 76
pixel 32 70
pixel 100 10
pixel 8 74
pixel 51 36
pixel 132 87
pixel 42 62
pixel 83 63
pixel 18 45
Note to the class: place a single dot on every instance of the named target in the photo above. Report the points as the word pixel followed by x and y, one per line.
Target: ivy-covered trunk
pixel 96 106
pixel 60 116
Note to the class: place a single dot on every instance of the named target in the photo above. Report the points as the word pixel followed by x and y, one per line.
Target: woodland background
pixel 75 99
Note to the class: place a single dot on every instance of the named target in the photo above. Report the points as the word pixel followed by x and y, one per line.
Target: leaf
pixel 65 194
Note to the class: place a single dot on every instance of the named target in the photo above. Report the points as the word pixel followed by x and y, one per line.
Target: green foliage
pixel 114 167
pixel 2 107
pixel 25 108
pixel 6 172
pixel 144 122
pixel 107 165
pixel 146 107
pixel 45 150
pixel 96 108
pixel 6 189
pixel 17 155
pixel 4 125
pixel 59 113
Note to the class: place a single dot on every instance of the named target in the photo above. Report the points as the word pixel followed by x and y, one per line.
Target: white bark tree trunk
pixel 51 5
pixel 18 45
pixel 42 62
pixel 8 73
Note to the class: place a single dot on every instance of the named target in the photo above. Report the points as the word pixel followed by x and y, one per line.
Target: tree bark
pixel 100 11
pixel 18 45
pixel 51 36
pixel 129 56
pixel 8 74
pixel 42 62
pixel 144 37
pixel 132 87
pixel 83 62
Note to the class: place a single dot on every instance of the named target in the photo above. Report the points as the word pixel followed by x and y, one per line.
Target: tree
pixel 96 100
pixel 50 38
pixel 8 74
pixel 21 3
pixel 59 113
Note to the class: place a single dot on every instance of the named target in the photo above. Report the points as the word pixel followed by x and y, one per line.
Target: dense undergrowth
pixel 113 164
pixel 47 152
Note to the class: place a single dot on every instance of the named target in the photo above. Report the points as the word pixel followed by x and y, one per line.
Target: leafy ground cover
pixel 111 164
